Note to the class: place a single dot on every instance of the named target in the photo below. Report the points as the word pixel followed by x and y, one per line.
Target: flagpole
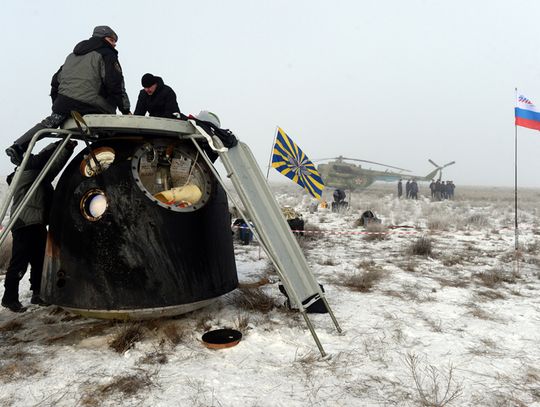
pixel 271 150
pixel 516 230
pixel 515 190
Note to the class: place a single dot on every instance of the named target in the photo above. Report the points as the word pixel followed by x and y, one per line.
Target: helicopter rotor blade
pixel 373 162
pixel 324 159
pixel 440 168
pixel 446 165
pixel 341 158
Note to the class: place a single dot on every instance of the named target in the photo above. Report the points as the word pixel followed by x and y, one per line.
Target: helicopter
pixel 341 174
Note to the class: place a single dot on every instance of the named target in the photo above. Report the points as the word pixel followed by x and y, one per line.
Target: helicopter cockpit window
pixel 174 176
pixel 343 169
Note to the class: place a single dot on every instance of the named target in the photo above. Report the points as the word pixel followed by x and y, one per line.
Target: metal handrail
pixel 9 195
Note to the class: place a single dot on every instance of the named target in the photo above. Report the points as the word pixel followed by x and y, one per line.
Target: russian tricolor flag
pixel 527 114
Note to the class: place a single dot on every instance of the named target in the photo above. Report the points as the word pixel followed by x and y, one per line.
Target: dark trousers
pixel 61 110
pixel 50 122
pixel 28 248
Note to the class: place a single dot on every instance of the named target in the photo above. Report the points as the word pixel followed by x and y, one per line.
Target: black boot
pixel 10 299
pixel 17 150
pixel 37 300
pixel 15 154
pixel 14 306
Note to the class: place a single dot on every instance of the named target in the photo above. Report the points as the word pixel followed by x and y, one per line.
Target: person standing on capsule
pixel 90 82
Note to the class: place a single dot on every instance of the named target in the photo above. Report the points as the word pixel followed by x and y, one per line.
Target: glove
pixel 227 137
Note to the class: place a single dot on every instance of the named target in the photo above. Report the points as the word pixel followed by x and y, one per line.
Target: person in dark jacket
pixel 413 189
pixel 339 195
pixel 408 189
pixel 89 81
pixel 432 188
pixel 156 98
pixel 29 230
pixel 399 189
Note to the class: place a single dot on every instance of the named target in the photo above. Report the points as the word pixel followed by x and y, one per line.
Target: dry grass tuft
pixel 423 246
pixel 435 325
pixel 11 326
pixel 54 310
pixel 479 313
pixel 119 386
pixel 174 333
pixel 328 261
pixel 495 277
pixel 70 317
pixel 533 375
pixel 503 399
pixel 363 281
pixel 18 364
pixel 457 282
pixel 452 259
pixel 438 223
pixel 490 294
pixel 204 322
pixel 532 247
pixel 250 299
pixel 242 321
pixel 152 324
pixel 309 359
pixel 409 264
pixel 13 370
pixel 128 385
pixel 125 339
pixel 367 264
pixel 435 388
pixel 534 260
pixel 477 220
pixel 154 358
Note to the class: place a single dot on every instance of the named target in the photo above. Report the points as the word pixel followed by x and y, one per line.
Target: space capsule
pixel 139 225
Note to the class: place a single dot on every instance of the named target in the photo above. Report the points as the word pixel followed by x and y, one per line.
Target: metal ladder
pixel 14 183
pixel 271 228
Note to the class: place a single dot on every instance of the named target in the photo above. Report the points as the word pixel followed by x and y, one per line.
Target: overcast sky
pixel 390 81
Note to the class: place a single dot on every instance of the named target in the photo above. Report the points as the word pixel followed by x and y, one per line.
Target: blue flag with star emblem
pixel 290 160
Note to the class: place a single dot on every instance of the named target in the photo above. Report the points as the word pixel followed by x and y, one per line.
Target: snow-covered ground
pixel 458 323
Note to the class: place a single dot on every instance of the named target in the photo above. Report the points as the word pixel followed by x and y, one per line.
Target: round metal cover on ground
pixel 221 338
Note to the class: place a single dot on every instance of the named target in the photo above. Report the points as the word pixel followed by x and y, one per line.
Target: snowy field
pixel 436 312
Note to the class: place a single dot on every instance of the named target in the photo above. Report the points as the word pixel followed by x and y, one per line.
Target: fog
pixel 393 82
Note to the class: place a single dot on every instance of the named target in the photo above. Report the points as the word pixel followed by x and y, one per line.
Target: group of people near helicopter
pixel 440 190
